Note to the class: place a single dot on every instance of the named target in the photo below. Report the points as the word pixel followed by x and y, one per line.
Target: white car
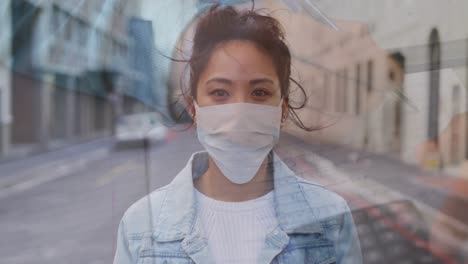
pixel 136 127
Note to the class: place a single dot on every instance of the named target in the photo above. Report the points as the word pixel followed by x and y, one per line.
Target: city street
pixel 74 216
pixel 67 204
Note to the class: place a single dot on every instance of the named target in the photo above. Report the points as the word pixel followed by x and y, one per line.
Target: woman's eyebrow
pixel 219 80
pixel 261 80
pixel 252 82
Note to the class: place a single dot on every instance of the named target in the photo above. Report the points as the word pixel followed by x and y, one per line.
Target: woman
pixel 237 202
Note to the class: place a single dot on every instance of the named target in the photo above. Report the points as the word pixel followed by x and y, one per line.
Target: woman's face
pixel 239 72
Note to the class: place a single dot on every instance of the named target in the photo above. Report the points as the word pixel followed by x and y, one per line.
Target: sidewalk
pixel 24 173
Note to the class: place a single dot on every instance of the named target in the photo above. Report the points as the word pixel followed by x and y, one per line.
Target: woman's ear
pixel 191 107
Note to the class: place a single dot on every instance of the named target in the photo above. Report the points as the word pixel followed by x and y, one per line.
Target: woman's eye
pixel 220 93
pixel 260 92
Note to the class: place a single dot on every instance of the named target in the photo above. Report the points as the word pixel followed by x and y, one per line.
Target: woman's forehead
pixel 241 61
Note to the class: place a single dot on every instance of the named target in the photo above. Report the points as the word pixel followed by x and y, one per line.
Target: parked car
pixel 135 128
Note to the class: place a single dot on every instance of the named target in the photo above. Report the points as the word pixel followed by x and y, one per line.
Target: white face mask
pixel 238 136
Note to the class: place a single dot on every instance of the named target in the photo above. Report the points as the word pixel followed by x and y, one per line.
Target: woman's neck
pixel 215 185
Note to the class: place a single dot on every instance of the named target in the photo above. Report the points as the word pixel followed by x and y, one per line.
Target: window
pixel 82 32
pixel 357 78
pixel 68 27
pixel 341 93
pixel 123 50
pixel 434 84
pixel 370 76
pixel 55 18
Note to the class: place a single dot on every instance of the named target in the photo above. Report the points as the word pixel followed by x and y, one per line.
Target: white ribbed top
pixel 236 230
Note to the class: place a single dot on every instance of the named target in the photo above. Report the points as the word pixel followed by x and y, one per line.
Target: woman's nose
pixel 241 98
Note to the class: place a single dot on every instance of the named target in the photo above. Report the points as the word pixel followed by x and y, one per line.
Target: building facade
pixel 431 51
pixel 70 74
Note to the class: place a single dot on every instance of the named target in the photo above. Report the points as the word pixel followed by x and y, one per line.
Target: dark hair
pixel 222 24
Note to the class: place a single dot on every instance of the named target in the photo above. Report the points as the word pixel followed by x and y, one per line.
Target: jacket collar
pixel 177 215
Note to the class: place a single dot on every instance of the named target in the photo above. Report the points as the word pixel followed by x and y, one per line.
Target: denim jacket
pixel 315 224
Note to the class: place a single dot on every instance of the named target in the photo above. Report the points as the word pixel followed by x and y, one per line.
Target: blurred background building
pixel 69 69
pixel 396 80
pixel 392 79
